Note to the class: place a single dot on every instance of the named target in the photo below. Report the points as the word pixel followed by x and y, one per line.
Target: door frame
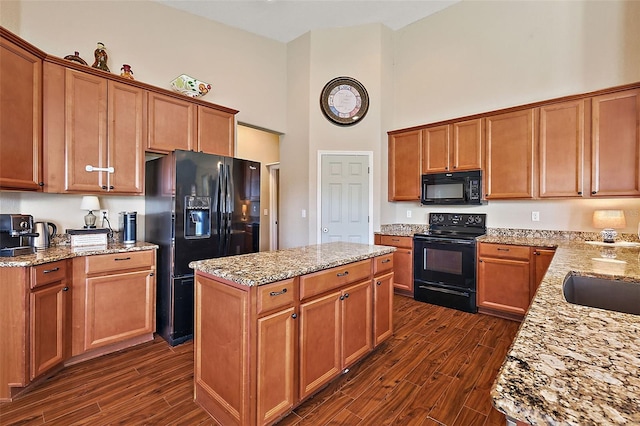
pixel 321 154
pixel 274 169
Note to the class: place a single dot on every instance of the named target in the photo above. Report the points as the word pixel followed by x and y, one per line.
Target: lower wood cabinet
pixel 113 299
pixel 261 350
pixel 508 276
pixel 402 262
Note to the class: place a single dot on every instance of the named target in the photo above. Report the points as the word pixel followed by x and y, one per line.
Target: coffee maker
pixel 16 232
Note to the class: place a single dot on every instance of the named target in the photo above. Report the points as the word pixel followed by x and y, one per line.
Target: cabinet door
pixel 405 166
pixel 510 155
pixel 435 149
pixel 47 334
pixel 357 322
pixel 171 123
pixel 615 164
pixel 403 269
pixel 503 285
pixel 85 131
pixel 20 118
pixel 118 307
pixel 320 358
pixel 542 259
pixel 125 147
pixel 382 308
pixel 562 153
pixel 466 145
pixel 215 131
pixel 276 364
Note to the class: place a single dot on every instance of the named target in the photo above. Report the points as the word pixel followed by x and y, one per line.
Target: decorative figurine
pixel 75 58
pixel 126 72
pixel 101 58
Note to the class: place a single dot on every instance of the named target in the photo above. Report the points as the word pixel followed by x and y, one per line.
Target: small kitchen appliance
pixel 45 231
pixel 455 188
pixel 16 233
pixel 128 227
pixel 445 260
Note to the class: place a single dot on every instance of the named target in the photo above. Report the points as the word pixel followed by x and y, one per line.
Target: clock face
pixel 344 101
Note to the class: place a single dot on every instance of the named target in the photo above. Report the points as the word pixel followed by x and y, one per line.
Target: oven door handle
pixel 443 241
pixel 444 290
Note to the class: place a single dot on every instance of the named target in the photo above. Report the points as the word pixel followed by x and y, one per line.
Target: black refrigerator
pixel 197 206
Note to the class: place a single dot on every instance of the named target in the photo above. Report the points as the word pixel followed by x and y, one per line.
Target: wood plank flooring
pixel 437 369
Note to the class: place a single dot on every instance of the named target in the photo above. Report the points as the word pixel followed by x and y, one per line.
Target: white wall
pixel 478 56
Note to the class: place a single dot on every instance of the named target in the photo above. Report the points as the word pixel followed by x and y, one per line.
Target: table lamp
pixel 90 202
pixel 608 220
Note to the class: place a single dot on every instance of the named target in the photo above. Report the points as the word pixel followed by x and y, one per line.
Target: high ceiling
pixel 285 20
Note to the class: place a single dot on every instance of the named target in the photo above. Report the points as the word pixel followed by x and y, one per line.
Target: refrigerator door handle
pixel 231 191
pixel 216 191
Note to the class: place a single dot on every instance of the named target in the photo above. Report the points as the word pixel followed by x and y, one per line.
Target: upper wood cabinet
pixel 404 165
pixel 509 159
pixel 452 147
pixel 561 149
pixel 215 131
pixel 615 164
pixel 171 123
pixel 20 118
pixel 94 132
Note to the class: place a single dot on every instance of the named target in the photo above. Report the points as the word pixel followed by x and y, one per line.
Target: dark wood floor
pixel 437 369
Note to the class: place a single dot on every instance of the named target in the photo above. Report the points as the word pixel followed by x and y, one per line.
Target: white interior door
pixel 345 198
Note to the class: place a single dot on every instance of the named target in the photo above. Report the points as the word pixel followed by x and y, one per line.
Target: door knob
pixel 325 230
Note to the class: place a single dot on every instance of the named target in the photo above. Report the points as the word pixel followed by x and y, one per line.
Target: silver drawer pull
pixel 278 293
pixel 386 261
pixel 503 249
pixel 117 259
pixel 344 274
pixel 50 270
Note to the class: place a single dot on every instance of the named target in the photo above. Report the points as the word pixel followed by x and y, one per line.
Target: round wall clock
pixel 344 101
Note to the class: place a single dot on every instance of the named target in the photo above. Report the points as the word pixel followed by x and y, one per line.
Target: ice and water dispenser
pixel 197 216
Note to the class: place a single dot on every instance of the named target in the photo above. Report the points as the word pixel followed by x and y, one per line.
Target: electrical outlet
pixel 408 213
pixel 535 216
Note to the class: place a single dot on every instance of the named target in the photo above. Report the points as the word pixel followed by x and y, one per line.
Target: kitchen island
pixel 273 328
pixel 571 364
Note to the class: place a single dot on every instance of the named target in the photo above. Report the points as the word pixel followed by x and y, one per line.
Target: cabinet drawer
pixel 382 263
pixel 392 240
pixel 322 281
pixel 119 261
pixel 504 251
pixel 276 295
pixel 48 273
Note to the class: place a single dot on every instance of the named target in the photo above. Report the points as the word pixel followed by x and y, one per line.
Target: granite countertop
pixel 571 364
pixel 265 267
pixel 55 253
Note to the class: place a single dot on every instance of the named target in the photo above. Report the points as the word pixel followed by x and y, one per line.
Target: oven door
pixel 446 262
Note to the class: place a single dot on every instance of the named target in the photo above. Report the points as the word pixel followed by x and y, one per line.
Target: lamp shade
pixel 90 202
pixel 610 219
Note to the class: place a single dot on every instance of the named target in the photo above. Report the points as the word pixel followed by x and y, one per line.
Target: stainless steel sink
pixel 613 295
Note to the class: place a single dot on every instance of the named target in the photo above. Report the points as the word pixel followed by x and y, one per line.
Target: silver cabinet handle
pixel 278 293
pixel 118 259
pixel 344 274
pixel 99 169
pixel 48 271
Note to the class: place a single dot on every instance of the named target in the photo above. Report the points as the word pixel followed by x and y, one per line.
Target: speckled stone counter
pixel 269 266
pixel 571 364
pixel 61 252
pixel 403 229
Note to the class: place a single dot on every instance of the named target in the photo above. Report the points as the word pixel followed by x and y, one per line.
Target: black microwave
pixel 457 188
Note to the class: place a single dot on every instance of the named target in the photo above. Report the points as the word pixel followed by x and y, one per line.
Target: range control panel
pixel 442 220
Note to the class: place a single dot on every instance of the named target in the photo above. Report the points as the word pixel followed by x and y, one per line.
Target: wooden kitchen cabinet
pixel 452 147
pixel 113 300
pixel 541 258
pixel 48 302
pixel 402 262
pixel 382 298
pixel 171 124
pixel 562 149
pixel 20 115
pixel 405 165
pixel 503 280
pixel 216 133
pixel 510 159
pixel 92 122
pixel 615 144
